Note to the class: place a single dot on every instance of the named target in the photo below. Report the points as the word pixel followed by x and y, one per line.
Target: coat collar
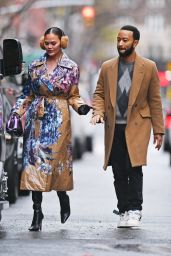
pixel 65 61
pixel 137 78
pixel 38 69
pixel 113 76
pixel 138 74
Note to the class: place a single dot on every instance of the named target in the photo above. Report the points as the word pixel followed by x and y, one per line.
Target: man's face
pixel 125 43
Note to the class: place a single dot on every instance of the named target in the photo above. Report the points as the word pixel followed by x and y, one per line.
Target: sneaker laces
pixel 135 214
pixel 122 216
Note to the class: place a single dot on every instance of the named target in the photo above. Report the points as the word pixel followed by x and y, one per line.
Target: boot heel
pixel 65 209
pixel 40 227
pixel 65 205
pixel 37 221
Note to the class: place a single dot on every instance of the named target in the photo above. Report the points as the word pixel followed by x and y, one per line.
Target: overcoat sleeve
pixel 98 97
pixel 23 102
pixel 155 104
pixel 74 98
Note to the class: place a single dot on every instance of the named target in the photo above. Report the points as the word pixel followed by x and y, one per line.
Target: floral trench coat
pixel 47 150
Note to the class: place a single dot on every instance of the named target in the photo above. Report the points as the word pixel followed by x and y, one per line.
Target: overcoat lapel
pixel 113 77
pixel 64 64
pixel 137 78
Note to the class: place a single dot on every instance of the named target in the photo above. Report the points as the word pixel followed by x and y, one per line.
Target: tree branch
pixel 24 8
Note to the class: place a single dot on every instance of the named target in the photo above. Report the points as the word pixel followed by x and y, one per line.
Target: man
pixel 127 99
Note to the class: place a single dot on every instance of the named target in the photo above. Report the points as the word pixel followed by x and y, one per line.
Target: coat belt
pixel 40 104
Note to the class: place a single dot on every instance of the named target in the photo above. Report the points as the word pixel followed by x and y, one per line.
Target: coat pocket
pixel 145 113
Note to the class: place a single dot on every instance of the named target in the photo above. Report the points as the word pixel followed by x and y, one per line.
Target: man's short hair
pixel 136 32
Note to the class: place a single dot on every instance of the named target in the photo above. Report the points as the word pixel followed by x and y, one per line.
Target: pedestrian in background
pixel 51 87
pixel 127 99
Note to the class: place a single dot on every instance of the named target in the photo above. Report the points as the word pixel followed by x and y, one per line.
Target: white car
pixel 82 130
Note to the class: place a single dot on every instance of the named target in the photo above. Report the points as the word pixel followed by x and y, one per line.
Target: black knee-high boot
pixel 65 205
pixel 38 215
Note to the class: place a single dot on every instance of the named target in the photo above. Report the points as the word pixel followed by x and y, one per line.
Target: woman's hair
pixel 58 32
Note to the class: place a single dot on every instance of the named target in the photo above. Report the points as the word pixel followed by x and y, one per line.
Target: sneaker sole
pixel 133 225
pixel 122 226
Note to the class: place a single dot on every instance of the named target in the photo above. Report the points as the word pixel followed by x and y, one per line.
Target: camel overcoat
pixel 144 107
pixel 47 150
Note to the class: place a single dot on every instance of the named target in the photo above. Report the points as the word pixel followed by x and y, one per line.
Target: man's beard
pixel 127 52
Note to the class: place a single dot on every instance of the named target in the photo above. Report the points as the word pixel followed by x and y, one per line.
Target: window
pixel 124 20
pixel 156 51
pixel 156 3
pixel 126 3
pixel 154 22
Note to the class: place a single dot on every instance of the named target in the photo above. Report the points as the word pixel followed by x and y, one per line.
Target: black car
pixel 10 159
pixel 13 158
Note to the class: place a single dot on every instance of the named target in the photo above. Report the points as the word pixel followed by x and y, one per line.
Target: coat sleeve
pixel 98 96
pixel 23 102
pixel 155 104
pixel 74 97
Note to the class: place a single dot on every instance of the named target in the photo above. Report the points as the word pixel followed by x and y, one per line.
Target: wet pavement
pixel 91 229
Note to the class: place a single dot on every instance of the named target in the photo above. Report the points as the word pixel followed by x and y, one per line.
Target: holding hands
pixel 84 109
pixel 96 120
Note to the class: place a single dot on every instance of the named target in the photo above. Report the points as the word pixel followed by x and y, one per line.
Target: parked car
pixel 14 145
pixel 10 65
pixel 167 142
pixel 167 136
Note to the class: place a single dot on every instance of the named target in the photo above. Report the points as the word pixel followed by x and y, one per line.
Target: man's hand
pixel 158 140
pixel 96 119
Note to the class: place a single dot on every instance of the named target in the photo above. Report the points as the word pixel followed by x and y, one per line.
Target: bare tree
pixel 23 9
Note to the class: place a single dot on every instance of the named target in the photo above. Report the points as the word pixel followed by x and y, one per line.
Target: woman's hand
pixel 84 109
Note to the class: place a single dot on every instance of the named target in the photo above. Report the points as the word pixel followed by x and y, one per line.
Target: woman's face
pixel 52 45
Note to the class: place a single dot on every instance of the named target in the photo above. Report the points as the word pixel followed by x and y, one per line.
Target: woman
pixel 51 87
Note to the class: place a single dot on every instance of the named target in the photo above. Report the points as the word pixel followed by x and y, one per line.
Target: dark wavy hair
pixel 56 31
pixel 136 32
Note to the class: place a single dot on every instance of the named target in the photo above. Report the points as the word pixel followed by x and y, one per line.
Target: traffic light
pixel 88 14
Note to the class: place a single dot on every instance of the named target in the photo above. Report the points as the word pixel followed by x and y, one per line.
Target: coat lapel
pixel 137 78
pixel 113 77
pixel 63 66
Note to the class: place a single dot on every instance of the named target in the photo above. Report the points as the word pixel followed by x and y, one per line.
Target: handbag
pixel 14 125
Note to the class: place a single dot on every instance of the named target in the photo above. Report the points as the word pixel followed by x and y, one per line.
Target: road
pixel 91 229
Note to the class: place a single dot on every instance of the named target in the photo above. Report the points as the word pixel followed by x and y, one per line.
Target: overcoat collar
pixel 113 76
pixel 65 61
pixel 39 71
pixel 137 78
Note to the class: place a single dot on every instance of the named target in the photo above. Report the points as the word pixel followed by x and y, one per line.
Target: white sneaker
pixel 134 218
pixel 122 223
